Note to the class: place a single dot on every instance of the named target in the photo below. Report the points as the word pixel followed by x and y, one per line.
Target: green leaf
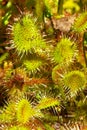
pixel 47 102
pixel 3 57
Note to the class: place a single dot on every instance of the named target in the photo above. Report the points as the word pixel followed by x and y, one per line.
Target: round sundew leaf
pixel 65 51
pixel 25 36
pixel 33 65
pixel 80 23
pixel 75 80
pixel 24 111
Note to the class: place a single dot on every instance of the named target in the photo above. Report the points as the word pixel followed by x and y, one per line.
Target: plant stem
pixel 81 5
pixel 60 6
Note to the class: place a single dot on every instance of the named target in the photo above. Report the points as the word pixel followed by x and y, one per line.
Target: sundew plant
pixel 43 65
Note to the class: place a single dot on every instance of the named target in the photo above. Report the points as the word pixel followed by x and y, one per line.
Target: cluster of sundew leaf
pixel 80 24
pixel 65 51
pixel 26 37
pixel 23 111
